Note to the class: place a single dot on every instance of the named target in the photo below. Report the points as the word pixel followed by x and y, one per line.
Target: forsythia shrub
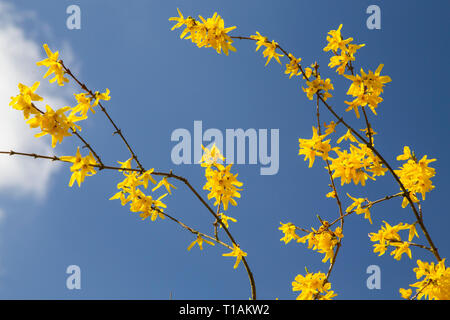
pixel 358 163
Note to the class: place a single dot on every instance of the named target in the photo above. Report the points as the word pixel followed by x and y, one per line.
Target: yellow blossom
pixel 55 123
pixel 236 252
pixel 315 146
pixel 199 241
pixel 24 100
pixel 222 185
pixel 388 236
pixel 358 208
pixel 415 175
pixel 435 282
pixel 210 32
pixel 347 136
pixel 101 96
pixel 367 88
pixel 313 285
pixel 289 232
pixel 318 85
pixel 166 184
pixel 211 156
pixel 270 50
pixel 225 219
pixel 323 240
pixel 82 167
pixel 292 68
pixel 54 66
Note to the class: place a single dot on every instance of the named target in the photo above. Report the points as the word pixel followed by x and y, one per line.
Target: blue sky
pixel 160 83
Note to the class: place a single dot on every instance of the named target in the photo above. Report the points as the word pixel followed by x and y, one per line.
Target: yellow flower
pixel 146 177
pixel 323 240
pixel 24 100
pixel 347 136
pixel 415 175
pixel 206 33
pixel 225 219
pixel 401 248
pixel 54 66
pixel 356 165
pixel 84 104
pixel 222 185
pixel 312 285
pixel 211 157
pixel 318 85
pixel 347 50
pixel 270 50
pixel 236 252
pixel 289 232
pixel 315 146
pixel 199 241
pixel 331 194
pixel 406 154
pixel 435 284
pixel 165 183
pixel 405 293
pixel 330 128
pixel 335 40
pixel 82 167
pixel 292 68
pixel 358 208
pixel 388 236
pixel 367 88
pixel 55 123
pixel 101 96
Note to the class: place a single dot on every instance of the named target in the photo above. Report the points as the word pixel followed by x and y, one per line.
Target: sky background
pixel 160 83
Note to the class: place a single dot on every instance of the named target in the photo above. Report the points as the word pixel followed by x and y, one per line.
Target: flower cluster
pixel 356 165
pixel 323 240
pixel 317 85
pixel 415 175
pixel 206 33
pixel 313 286
pixel 344 51
pixel 54 66
pixel 435 284
pixel 366 88
pixel 388 236
pixel 316 146
pixel 82 167
pixel 288 230
pixel 271 47
pixel 145 205
pixel 57 123
pixel 24 100
pixel 293 67
pixel 221 183
pixel 85 103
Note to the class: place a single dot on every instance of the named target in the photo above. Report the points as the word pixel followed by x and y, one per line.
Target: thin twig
pixel 116 128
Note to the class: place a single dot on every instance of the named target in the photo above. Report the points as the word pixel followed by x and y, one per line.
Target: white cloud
pixel 19 53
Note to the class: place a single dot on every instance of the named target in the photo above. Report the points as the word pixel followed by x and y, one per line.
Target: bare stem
pixel 116 128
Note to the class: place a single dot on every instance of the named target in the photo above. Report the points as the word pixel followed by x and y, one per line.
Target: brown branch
pixel 369 205
pixel 193 231
pixel 116 128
